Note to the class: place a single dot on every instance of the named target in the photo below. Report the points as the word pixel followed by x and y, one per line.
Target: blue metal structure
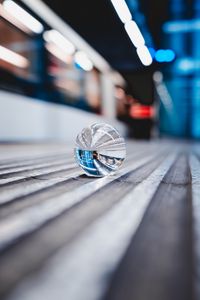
pixel 182 77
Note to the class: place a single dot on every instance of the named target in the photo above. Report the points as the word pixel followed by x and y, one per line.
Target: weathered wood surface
pixel 134 235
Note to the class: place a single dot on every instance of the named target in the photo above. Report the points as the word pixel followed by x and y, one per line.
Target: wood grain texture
pixel 133 235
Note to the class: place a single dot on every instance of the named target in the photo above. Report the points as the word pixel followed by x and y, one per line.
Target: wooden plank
pixel 97 252
pixel 65 186
pixel 43 243
pixel 35 172
pixel 29 219
pixel 21 187
pixel 25 187
pixel 9 171
pixel 195 173
pixel 62 232
pixel 158 262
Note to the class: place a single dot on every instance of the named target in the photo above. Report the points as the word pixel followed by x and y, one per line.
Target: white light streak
pixel 54 50
pixel 158 77
pixel 83 61
pixel 13 58
pixel 134 33
pixel 22 16
pixel 144 55
pixel 53 36
pixel 163 93
pixel 12 20
pixel 122 10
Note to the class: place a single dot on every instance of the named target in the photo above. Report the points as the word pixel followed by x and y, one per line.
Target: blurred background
pixel 134 64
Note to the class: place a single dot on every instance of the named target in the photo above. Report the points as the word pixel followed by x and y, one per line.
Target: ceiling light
pixel 57 52
pixel 122 10
pixel 134 34
pixel 53 36
pixel 83 61
pixel 23 16
pixel 5 14
pixel 13 58
pixel 144 55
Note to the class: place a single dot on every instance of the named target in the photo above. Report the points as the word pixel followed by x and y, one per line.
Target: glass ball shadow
pixel 100 150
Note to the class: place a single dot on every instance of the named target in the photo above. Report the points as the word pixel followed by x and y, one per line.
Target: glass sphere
pixel 100 150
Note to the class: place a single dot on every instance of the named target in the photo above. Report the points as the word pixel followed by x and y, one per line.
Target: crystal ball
pixel 100 150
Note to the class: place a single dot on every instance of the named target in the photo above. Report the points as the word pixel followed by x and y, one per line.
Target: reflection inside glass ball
pixel 100 150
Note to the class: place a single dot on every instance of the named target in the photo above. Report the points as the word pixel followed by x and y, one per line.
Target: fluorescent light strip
pixel 134 33
pixel 13 58
pixel 23 16
pixel 53 36
pixel 83 61
pixel 144 55
pixel 122 10
pixel 182 26
pixel 55 51
pixel 12 20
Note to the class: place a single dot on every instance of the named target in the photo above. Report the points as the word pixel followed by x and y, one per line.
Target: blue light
pixel 182 26
pixel 160 55
pixel 186 65
pixel 152 51
pixel 169 55
pixel 77 66
pixel 166 55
